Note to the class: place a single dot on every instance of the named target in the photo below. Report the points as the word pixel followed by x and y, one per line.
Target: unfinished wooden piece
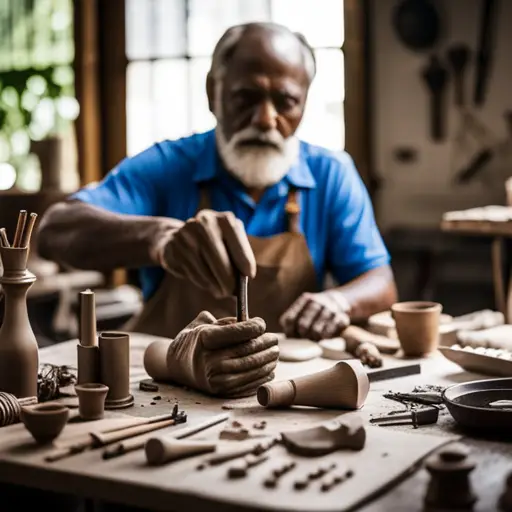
pixel 88 364
pixel 45 421
pixel 344 432
pixel 505 501
pixel 160 451
pixel 333 348
pixel 450 485
pixel 91 400
pixel 87 332
pixel 355 335
pixel 294 350
pixel 345 386
pixel 115 368
pixel 417 326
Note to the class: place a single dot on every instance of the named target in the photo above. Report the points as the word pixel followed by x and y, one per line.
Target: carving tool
pixel 3 238
pixel 417 398
pixel 27 232
pixel 98 439
pixel 484 56
pixel 136 444
pixel 20 227
pixel 427 416
pixel 242 309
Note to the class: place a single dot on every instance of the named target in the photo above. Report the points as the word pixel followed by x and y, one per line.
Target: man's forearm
pixel 370 293
pixel 79 235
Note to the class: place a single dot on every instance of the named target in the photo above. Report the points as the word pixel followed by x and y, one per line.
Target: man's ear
pixel 210 92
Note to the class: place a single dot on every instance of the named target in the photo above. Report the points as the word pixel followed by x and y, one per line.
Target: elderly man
pixel 247 197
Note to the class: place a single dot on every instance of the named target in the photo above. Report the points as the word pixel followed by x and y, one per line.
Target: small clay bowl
pixel 91 400
pixel 44 421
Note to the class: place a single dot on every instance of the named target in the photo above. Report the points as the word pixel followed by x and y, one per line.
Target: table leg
pixel 497 276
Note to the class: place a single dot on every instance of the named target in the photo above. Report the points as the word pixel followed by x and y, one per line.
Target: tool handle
pixel 242 310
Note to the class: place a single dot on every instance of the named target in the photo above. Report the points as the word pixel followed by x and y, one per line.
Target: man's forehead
pixel 261 52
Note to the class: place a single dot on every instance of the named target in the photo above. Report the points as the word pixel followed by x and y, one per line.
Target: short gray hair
pixel 228 42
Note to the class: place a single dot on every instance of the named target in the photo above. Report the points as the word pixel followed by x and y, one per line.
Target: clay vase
pixel 417 326
pixel 343 386
pixel 19 356
pixel 45 421
pixel 91 400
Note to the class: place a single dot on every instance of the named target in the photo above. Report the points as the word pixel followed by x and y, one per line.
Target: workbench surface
pixel 22 463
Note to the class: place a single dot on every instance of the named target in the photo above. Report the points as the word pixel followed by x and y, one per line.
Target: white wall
pixel 417 194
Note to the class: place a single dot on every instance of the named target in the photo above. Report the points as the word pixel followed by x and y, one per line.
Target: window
pixel 36 86
pixel 169 45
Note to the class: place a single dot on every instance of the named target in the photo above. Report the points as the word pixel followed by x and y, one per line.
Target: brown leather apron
pixel 284 271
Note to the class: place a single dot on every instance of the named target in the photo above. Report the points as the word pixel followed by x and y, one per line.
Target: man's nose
pixel 265 117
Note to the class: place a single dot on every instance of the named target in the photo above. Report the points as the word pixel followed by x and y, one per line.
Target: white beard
pixel 256 166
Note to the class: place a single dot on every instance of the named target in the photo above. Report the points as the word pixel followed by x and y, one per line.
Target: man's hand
pixel 205 250
pixel 223 357
pixel 316 316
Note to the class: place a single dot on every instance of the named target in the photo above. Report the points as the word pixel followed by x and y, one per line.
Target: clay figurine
pixel 344 386
pixel 450 485
pixel 91 400
pixel 45 421
pixel 345 432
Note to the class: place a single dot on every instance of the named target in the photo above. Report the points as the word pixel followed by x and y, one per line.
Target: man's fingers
pixel 203 318
pixel 251 388
pixel 289 318
pixel 238 244
pixel 214 337
pixel 307 318
pixel 225 383
pixel 320 324
pixel 247 362
pixel 335 326
pixel 248 347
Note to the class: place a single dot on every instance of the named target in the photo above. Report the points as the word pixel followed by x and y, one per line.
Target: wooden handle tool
pixel 435 76
pixel 242 308
pixel 20 228
pixel 27 233
pixel 3 238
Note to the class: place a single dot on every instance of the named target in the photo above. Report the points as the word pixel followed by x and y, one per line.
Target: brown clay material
pixel 160 451
pixel 91 400
pixel 417 326
pixel 45 421
pixel 87 336
pixel 355 335
pixel 88 363
pixel 115 367
pixel 345 386
pixel 450 486
pixel 19 355
pixel 345 432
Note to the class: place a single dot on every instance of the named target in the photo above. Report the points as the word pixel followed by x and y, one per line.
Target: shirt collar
pixel 209 166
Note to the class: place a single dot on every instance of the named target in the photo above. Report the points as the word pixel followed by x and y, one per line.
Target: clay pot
pixel 417 326
pixel 91 400
pixel 45 421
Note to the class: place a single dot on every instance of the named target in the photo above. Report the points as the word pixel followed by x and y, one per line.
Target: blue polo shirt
pixel 336 212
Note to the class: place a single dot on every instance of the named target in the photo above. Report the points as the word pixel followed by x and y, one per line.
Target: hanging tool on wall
pixel 484 57
pixel 473 144
pixel 435 76
pixel 417 24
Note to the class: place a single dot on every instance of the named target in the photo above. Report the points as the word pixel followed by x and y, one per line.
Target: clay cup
pixel 45 421
pixel 417 326
pixel 91 400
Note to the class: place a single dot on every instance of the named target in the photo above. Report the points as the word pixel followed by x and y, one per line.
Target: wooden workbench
pixel 87 475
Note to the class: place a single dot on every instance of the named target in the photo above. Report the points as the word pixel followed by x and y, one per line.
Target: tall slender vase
pixel 19 356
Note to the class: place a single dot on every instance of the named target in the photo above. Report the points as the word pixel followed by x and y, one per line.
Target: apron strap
pixel 292 207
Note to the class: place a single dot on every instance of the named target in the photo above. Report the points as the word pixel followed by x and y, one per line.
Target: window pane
pixel 323 121
pixel 170 28
pixel 208 19
pixel 138 107
pixel 138 29
pixel 202 118
pixel 171 99
pixel 321 21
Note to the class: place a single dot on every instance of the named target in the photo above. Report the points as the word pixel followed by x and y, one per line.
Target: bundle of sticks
pixel 23 233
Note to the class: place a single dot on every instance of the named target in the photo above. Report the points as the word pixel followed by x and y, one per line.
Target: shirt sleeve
pixel 132 187
pixel 355 244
